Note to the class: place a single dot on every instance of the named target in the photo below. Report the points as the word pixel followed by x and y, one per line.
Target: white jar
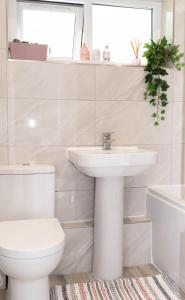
pixel 95 55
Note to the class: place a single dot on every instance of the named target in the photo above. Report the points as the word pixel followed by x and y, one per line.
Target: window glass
pixel 54 25
pixel 117 26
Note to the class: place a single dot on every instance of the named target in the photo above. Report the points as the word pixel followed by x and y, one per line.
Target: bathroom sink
pixel 119 161
pixel 110 167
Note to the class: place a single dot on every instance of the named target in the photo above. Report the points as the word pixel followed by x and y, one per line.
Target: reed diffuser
pixel 136 46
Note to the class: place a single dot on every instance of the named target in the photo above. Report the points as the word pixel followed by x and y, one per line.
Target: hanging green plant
pixel 159 54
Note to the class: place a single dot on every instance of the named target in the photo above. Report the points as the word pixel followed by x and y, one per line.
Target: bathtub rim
pixel 165 198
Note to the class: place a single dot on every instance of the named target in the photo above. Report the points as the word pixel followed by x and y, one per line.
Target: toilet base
pixel 28 290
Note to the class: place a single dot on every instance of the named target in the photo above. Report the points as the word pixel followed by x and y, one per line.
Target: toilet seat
pixel 29 239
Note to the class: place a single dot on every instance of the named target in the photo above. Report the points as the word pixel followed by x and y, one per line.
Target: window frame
pixel 78 26
pixel 154 5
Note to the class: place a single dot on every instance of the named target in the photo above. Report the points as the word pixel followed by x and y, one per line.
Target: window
pixel 57 25
pixel 64 26
pixel 117 26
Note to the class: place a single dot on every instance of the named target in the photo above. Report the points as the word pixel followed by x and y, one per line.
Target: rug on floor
pixel 158 287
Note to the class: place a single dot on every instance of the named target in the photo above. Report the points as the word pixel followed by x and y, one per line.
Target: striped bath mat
pixel 158 287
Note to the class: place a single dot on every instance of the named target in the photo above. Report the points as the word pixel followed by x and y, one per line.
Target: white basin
pixel 120 161
pixel 109 168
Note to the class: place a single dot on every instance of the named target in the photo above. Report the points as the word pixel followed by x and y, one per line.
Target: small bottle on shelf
pixel 84 52
pixel 106 54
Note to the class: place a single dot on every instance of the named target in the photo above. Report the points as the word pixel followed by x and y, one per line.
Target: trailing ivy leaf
pixel 148 78
pixel 158 81
pixel 162 72
pixel 163 96
pixel 145 95
pixel 164 85
pixel 164 103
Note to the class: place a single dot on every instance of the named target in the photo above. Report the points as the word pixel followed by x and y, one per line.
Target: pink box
pixel 28 51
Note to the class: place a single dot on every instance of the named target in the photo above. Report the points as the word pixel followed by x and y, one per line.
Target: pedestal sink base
pixel 108 230
pixel 110 167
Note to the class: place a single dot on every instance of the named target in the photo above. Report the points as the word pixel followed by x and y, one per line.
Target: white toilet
pixel 31 239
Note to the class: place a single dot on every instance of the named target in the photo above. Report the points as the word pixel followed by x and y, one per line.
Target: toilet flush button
pixel 29 163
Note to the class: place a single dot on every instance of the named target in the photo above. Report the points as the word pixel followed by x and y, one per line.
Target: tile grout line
pixel 7 102
pixel 6 62
pixel 90 223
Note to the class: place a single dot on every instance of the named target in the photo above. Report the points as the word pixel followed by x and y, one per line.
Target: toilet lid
pixel 30 238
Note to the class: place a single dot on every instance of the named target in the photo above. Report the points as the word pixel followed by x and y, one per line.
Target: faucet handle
pixel 107 140
pixel 108 134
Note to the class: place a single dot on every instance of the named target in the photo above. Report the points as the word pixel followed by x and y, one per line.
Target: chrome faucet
pixel 107 141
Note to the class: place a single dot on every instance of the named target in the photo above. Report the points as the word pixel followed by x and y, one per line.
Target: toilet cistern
pixel 107 140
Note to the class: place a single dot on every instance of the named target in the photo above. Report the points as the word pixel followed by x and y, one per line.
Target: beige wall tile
pixel 3 31
pixel 177 159
pixel 46 80
pixel 77 81
pixel 178 90
pixel 167 28
pixel 131 122
pixel 179 35
pixel 137 241
pixel 124 83
pixel 135 201
pixel 12 19
pixel 183 163
pixel 74 205
pixel 119 83
pixel 3 87
pixel 49 123
pixel 35 80
pixel 4 155
pixel 3 122
pixel 78 251
pixel 177 122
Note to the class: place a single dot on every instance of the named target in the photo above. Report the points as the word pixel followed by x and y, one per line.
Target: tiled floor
pixel 146 270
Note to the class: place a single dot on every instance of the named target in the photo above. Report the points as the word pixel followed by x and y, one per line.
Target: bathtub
pixel 166 208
